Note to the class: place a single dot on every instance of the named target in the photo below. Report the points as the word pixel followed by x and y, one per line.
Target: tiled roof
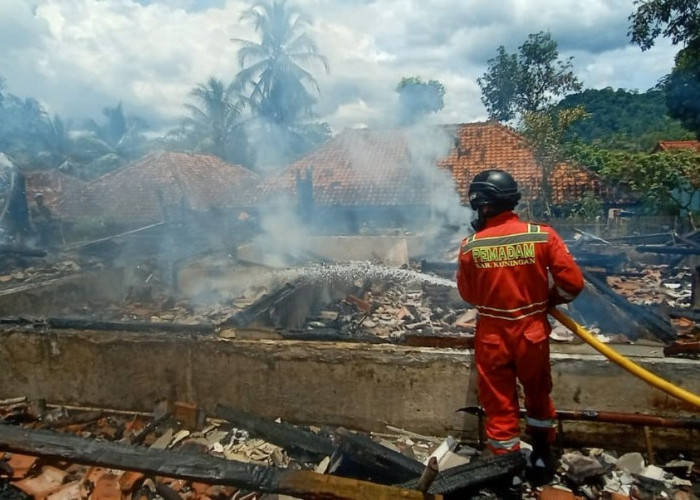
pixel 371 167
pixel 481 146
pixel 51 184
pixel 355 168
pixel 676 145
pixel 165 180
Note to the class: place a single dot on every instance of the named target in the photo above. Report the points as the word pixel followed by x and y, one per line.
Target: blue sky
pixel 78 56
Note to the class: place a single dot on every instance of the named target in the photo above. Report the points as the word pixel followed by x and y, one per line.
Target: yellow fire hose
pixel 625 363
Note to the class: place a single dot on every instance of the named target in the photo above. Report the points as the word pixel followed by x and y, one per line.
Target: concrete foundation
pixel 359 386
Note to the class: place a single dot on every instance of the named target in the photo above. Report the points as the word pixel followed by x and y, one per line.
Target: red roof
pixel 370 167
pixel 157 182
pixel 356 168
pixel 676 145
pixel 481 146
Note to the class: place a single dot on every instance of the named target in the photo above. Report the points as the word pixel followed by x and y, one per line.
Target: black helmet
pixel 494 187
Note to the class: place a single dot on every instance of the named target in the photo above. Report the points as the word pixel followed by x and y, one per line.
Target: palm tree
pixel 273 69
pixel 58 147
pixel 214 123
pixel 118 140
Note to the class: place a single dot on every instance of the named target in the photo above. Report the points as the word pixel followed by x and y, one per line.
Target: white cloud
pixel 83 55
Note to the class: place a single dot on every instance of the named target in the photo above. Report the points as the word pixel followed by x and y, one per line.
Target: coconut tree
pixel 277 81
pixel 114 142
pixel 281 88
pixel 215 123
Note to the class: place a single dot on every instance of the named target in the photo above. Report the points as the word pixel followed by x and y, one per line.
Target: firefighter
pixel 512 272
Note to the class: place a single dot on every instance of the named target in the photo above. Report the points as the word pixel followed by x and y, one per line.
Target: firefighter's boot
pixel 542 463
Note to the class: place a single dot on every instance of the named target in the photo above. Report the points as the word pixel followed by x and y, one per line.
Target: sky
pixel 79 56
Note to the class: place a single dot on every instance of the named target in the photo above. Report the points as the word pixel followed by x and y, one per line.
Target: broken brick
pixel 21 464
pixel 129 480
pixel 49 481
pixel 363 305
pixel 553 493
pixel 107 488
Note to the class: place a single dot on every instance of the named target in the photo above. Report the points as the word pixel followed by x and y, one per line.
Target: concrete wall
pixel 359 386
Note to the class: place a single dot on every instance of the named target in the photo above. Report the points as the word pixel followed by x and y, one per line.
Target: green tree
pixel 59 147
pixel 21 122
pixel 544 132
pixel 215 123
pixel 683 90
pixel 114 142
pixel 418 99
pixel 529 81
pixel 277 81
pixel 678 20
pixel 280 87
pixel 663 179
pixel 623 119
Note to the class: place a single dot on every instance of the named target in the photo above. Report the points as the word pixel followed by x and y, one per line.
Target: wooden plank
pixel 201 468
pixel 295 440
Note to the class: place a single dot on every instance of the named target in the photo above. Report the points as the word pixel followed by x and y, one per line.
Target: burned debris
pixel 55 451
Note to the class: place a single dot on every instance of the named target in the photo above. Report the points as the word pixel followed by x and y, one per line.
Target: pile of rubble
pixel 654 285
pixel 63 453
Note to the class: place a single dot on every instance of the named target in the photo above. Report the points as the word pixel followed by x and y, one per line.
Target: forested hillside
pixel 623 119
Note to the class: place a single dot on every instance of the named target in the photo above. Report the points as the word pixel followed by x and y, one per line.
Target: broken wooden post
pixel 361 457
pixel 295 440
pixel 200 468
pixel 475 474
pixel 428 476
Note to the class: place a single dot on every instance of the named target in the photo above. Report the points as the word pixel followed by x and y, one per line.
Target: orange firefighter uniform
pixel 512 271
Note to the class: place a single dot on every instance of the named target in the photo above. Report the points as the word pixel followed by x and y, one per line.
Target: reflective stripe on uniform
pixel 544 424
pixel 508 444
pixel 505 240
pixel 515 313
pixel 512 318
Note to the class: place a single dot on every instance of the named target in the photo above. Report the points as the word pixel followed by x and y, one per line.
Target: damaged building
pixel 199 344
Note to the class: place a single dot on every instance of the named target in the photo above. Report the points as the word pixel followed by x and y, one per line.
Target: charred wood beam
pixel 446 269
pixel 671 250
pixel 642 315
pixel 259 307
pixel 649 238
pixel 200 468
pixel 592 259
pixel 691 314
pixel 128 326
pixel 685 240
pixel 682 348
pixel 476 474
pixel 610 417
pixel 21 250
pixel 361 457
pixel 295 440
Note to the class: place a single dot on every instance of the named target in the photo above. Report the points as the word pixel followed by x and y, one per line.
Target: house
pixel 676 146
pixel 407 175
pixel 480 146
pixel 360 177
pixel 158 187
pixel 693 199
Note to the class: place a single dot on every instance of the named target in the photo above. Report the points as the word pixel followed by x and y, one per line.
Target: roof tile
pixel 165 180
